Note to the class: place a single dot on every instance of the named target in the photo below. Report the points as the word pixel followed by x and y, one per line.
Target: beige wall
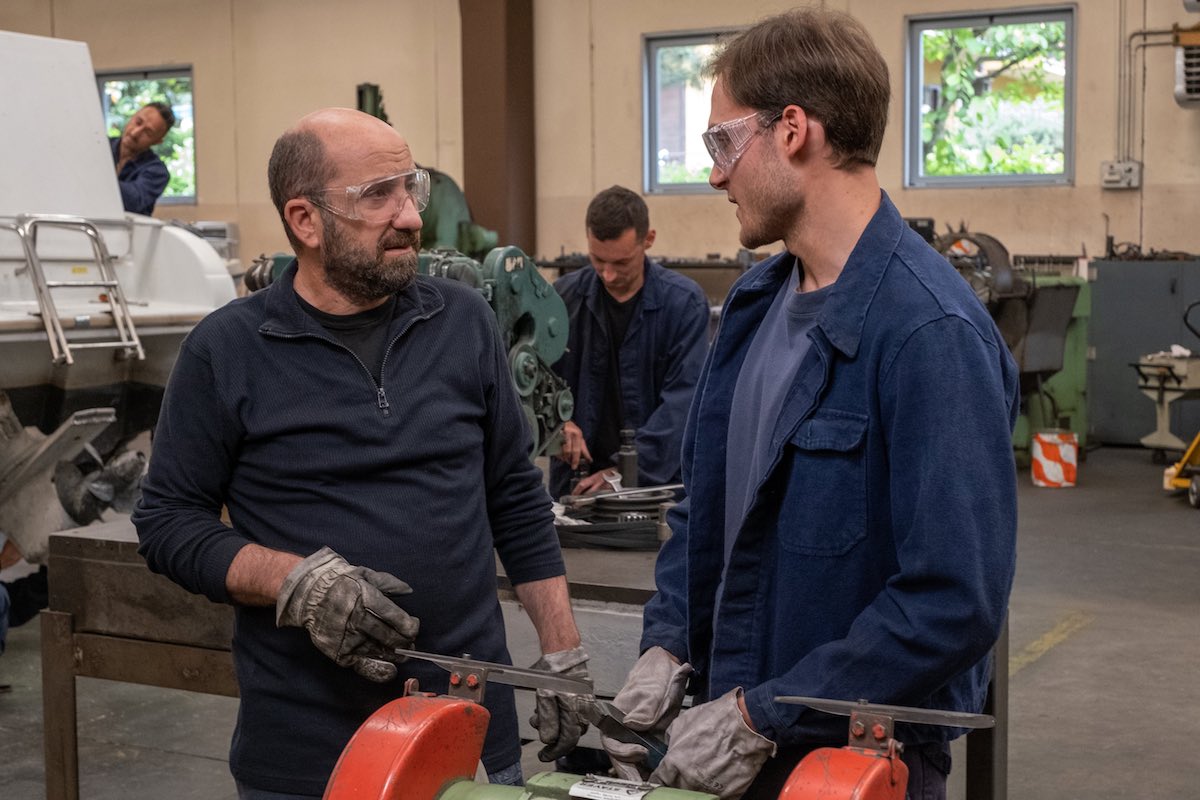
pixel 590 122
pixel 260 64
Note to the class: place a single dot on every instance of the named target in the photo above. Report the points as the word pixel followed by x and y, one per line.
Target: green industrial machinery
pixel 533 321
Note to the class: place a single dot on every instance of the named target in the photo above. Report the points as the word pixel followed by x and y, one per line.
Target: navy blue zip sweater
pixel 420 476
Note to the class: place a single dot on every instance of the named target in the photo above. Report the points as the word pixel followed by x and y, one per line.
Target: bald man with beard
pixel 359 423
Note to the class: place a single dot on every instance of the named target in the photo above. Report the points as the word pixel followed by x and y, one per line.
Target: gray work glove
pixel 559 716
pixel 711 749
pixel 651 699
pixel 345 611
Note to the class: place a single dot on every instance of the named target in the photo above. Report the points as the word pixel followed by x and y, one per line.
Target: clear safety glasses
pixel 726 141
pixel 378 201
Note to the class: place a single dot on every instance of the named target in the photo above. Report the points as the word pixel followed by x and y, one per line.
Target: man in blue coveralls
pixel 141 175
pixel 638 336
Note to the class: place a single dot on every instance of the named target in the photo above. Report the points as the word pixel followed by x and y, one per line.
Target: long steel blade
pixel 924 716
pixel 505 673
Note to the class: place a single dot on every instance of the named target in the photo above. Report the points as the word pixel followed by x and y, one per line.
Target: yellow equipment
pixel 1185 473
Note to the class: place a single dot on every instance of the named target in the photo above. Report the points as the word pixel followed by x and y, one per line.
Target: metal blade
pixel 610 720
pixel 505 673
pixel 924 716
pixel 568 499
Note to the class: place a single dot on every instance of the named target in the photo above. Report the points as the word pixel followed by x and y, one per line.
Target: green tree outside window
pixel 993 99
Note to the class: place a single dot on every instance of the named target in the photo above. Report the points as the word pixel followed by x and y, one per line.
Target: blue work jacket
pixel 142 180
pixel 876 558
pixel 660 360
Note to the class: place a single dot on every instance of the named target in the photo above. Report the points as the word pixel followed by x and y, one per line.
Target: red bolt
pixel 455 679
pixel 472 681
pixel 858 729
pixel 879 732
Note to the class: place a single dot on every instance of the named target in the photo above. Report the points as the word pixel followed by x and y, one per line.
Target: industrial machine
pixel 533 320
pixel 425 747
pixel 94 302
pixel 1042 311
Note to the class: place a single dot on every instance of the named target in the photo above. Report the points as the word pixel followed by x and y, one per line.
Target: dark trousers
pixel 928 767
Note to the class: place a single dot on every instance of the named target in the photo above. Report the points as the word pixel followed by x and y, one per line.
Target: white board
pixel 54 152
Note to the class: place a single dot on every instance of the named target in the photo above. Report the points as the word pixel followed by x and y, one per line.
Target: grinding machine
pixel 427 747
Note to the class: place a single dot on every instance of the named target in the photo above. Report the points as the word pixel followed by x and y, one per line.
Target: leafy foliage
pixel 683 64
pixel 123 98
pixel 999 106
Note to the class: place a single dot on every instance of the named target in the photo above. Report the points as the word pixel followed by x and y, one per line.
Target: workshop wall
pixel 590 121
pixel 258 65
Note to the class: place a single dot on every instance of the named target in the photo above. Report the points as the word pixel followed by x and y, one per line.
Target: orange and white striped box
pixel 1055 456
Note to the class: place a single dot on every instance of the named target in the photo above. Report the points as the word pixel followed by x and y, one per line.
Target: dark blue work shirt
pixel 143 179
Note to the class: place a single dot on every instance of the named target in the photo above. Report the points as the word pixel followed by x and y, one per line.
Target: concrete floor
pixel 1104 639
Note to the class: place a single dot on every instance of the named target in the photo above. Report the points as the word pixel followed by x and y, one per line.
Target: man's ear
pixel 797 130
pixel 304 221
pixel 649 240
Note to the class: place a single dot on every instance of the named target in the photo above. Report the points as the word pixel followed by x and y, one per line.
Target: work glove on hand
pixel 651 699
pixel 346 612
pixel 559 716
pixel 710 748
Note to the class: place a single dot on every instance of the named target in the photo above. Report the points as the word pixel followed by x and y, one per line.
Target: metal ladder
pixel 126 339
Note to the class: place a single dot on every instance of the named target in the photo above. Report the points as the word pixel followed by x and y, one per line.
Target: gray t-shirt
pixel 767 374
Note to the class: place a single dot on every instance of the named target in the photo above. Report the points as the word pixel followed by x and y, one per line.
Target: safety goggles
pixel 726 141
pixel 379 200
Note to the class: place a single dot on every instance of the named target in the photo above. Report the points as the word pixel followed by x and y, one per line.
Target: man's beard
pixel 363 277
pixel 774 210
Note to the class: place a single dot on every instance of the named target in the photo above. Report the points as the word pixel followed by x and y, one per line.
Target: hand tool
pixel 610 721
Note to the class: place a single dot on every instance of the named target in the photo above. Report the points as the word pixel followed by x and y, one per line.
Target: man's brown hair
pixel 822 61
pixel 298 168
pixel 616 210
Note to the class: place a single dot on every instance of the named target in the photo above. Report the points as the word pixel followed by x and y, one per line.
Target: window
pixel 123 93
pixel 677 105
pixel 989 99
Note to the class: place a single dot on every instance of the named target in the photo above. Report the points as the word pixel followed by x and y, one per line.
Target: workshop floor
pixel 1104 640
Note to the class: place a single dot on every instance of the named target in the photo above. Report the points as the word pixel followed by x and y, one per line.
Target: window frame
pixel 157 73
pixel 914 94
pixel 651 44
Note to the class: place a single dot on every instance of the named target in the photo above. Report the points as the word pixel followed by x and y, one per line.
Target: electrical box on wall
pixel 1120 174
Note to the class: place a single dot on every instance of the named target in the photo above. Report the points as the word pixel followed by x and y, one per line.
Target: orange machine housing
pixel 848 773
pixel 413 747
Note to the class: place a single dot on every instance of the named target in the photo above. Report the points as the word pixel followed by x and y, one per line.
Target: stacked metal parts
pixel 623 519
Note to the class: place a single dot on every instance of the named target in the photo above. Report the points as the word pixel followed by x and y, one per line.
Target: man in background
pixel 141 175
pixel 638 337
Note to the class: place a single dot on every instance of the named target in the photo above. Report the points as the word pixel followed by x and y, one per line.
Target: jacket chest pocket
pixel 824 508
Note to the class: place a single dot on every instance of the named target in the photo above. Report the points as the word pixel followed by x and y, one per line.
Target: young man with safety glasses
pixel 830 545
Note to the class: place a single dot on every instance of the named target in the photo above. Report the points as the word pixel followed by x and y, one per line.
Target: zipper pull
pixel 383 402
